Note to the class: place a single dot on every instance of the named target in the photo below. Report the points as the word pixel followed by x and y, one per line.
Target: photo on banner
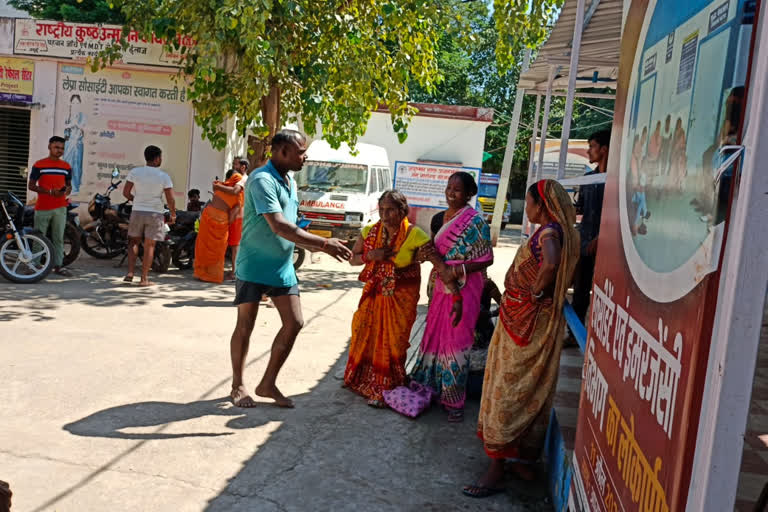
pixel 108 117
pixel 677 119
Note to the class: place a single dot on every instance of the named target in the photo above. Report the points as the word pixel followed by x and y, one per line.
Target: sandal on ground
pixel 478 491
pixel 128 279
pixel 378 404
pixel 61 271
pixel 455 415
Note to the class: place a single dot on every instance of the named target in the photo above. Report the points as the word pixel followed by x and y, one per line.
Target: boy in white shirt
pixel 146 186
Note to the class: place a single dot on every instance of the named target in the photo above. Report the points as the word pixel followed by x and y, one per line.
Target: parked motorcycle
pixel 72 232
pixel 26 255
pixel 106 235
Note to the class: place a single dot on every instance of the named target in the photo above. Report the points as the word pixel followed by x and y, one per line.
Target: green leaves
pixel 329 63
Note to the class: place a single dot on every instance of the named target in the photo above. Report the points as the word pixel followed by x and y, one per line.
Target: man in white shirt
pixel 146 186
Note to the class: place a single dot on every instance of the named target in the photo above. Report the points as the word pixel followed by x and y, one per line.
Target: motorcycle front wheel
pixel 71 244
pixel 95 245
pixel 162 258
pixel 184 254
pixel 298 257
pixel 28 264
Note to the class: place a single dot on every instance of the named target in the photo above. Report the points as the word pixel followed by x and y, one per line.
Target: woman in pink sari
pixel 462 239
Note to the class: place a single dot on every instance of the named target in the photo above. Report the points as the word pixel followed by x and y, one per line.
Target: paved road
pixel 115 399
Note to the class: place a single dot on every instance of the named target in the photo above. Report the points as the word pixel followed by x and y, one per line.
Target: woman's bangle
pixel 456 297
pixel 464 270
pixel 537 295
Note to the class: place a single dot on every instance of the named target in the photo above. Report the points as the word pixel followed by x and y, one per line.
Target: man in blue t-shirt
pixel 265 263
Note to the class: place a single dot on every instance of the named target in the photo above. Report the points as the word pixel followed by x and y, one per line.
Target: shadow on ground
pixel 99 283
pixel 332 453
pixel 343 455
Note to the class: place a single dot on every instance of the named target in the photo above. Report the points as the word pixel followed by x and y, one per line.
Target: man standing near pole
pixel 589 205
pixel 265 263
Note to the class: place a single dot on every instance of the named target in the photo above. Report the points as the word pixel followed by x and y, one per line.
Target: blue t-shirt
pixel 265 257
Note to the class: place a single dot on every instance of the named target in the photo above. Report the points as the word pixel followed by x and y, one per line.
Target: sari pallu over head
pixel 519 311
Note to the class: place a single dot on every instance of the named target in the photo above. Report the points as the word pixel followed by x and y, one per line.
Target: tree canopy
pixel 268 62
pixel 80 11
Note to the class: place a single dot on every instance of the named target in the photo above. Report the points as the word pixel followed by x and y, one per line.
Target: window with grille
pixel 14 150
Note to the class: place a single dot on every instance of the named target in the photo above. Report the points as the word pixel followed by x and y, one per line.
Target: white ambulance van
pixel 338 191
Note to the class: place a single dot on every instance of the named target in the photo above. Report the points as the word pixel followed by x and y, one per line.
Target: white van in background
pixel 338 191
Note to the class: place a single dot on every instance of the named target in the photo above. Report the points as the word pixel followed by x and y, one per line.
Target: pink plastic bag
pixel 409 401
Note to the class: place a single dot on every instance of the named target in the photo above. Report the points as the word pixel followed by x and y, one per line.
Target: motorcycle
pixel 72 231
pixel 106 236
pixel 26 255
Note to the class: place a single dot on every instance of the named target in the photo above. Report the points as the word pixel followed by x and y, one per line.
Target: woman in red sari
pixel 381 326
pixel 524 355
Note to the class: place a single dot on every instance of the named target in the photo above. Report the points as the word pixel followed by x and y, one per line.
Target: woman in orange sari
pixel 212 238
pixel 524 355
pixel 381 326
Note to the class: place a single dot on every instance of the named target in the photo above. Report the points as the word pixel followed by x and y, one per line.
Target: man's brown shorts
pixel 147 225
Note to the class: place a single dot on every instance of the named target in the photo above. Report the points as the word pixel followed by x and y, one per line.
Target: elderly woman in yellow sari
pixel 524 354
pixel 381 326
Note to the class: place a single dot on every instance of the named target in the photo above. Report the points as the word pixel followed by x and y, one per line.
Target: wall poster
pixel 110 116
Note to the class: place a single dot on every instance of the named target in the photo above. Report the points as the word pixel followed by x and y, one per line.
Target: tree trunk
pixel 270 113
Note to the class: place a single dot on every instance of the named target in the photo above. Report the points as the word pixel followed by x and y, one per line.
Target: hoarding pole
pixel 573 71
pixel 531 155
pixel 509 153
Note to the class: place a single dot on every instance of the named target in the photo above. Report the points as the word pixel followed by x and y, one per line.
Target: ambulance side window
pixel 382 179
pixel 388 173
pixel 372 181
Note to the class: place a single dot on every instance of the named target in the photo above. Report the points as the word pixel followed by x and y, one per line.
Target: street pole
pixel 509 153
pixel 573 71
pixel 531 155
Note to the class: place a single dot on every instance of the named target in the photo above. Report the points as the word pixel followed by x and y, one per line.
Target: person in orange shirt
pixel 51 178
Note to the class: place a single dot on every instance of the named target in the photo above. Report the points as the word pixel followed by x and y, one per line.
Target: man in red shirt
pixel 51 178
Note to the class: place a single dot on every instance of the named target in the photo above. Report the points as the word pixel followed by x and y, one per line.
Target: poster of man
pixel 108 117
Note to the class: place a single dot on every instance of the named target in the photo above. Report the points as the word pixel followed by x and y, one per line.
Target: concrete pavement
pixel 115 399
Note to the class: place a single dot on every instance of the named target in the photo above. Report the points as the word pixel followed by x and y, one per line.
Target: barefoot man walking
pixel 265 263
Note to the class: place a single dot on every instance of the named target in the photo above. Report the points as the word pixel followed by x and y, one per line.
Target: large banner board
pixel 677 119
pixel 81 41
pixel 110 116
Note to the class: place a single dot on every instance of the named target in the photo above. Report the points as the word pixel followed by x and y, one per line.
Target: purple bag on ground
pixel 409 401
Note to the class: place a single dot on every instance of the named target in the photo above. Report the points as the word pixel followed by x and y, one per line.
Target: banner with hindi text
pixel 110 116
pixel 677 121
